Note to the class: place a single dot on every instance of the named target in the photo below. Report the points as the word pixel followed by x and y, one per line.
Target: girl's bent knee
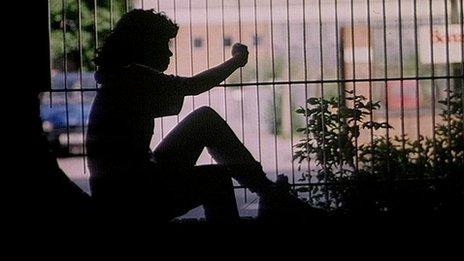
pixel 206 110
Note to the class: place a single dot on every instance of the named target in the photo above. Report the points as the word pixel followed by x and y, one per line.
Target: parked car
pixel 65 111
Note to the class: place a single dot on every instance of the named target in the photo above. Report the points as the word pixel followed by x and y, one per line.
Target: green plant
pixel 383 176
pixel 73 24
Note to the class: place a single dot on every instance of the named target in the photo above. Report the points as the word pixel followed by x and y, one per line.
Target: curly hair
pixel 137 32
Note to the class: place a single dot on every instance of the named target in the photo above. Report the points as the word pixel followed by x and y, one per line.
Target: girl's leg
pixel 207 185
pixel 204 128
pixel 217 194
pixel 186 189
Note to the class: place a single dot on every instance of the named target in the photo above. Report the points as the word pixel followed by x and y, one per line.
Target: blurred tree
pixel 78 28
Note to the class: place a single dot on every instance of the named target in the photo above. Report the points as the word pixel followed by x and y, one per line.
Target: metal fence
pixel 406 54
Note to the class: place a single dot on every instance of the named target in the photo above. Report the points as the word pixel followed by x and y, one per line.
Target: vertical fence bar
pixel 432 82
pixel 191 46
pixel 400 34
pixel 65 69
pixel 207 45
pixel 305 65
pixel 50 96
pixel 95 35
pixel 290 89
pixel 339 86
pixel 162 118
pixel 207 56
pixel 241 74
pixel 273 88
pixel 321 61
pixel 257 78
pixel 462 55
pixel 353 55
pixel 81 65
pixel 242 115
pixel 224 56
pixel 369 54
pixel 111 15
pixel 448 74
pixel 416 61
pixel 384 22
pixel 176 66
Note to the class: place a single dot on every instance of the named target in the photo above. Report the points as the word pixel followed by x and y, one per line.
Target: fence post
pixel 456 66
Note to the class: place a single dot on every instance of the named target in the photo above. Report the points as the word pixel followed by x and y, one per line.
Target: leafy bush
pixel 388 176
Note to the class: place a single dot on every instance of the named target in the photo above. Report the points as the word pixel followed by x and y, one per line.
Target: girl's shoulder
pixel 137 67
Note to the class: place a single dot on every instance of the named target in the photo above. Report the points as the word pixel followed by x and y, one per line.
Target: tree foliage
pixel 78 27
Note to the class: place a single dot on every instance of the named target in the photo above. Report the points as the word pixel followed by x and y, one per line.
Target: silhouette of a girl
pixel 125 172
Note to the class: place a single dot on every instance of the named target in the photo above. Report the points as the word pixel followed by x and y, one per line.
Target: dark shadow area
pixel 41 192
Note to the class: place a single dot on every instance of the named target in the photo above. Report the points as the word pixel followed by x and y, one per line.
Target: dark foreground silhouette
pixel 41 190
pixel 47 188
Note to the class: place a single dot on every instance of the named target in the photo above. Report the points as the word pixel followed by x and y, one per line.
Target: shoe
pixel 281 205
pixel 250 176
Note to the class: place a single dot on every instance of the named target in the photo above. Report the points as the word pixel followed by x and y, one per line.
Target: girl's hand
pixel 240 54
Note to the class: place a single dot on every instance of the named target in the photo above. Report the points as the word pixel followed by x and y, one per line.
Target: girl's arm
pixel 210 78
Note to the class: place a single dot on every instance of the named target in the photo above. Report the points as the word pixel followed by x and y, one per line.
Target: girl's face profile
pixel 159 56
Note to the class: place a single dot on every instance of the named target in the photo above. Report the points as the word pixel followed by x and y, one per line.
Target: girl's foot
pixel 282 204
pixel 252 177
